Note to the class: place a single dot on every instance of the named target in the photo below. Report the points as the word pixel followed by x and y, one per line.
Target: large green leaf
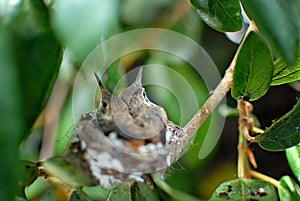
pixel 284 133
pixel 278 21
pixel 254 69
pixel 11 119
pixel 288 189
pixel 37 56
pixel 38 63
pixel 284 73
pixel 224 16
pixel 293 157
pixel 244 190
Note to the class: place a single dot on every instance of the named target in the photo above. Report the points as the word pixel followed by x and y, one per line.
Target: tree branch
pixel 221 90
pixel 212 102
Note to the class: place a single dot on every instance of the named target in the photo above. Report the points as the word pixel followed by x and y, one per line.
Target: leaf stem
pixel 243 164
pixel 257 130
pixel 263 177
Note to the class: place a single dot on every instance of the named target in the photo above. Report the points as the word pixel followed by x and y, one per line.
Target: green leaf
pixel 81 24
pixel 278 22
pixel 60 167
pixel 79 195
pixel 224 16
pixel 115 193
pixel 293 157
pixel 38 64
pixel 37 56
pixel 96 192
pixel 11 119
pixel 177 195
pixel 120 193
pixel 284 133
pixel 244 190
pixel 285 74
pixel 288 189
pixel 254 69
pixel 141 191
pixel 29 173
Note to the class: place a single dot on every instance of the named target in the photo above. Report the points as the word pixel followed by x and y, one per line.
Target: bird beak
pixel 139 76
pixel 99 82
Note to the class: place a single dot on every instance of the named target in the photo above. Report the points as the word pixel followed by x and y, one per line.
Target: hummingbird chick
pixel 146 114
pixel 131 115
pixel 124 139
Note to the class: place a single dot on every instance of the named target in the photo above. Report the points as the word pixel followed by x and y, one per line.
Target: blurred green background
pixel 42 47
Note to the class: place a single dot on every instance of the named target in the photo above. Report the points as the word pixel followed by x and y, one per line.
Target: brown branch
pixel 213 101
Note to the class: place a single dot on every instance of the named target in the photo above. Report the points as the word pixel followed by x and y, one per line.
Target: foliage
pixel 283 133
pixel 255 66
pixel 244 189
pixel 42 46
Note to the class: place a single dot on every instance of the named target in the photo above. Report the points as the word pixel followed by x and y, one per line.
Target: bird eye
pixel 144 94
pixel 104 104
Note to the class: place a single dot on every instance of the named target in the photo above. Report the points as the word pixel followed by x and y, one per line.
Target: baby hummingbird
pixel 146 114
pixel 132 115
pixel 125 139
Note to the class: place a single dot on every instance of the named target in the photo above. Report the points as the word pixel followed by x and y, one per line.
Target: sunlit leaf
pixel 254 69
pixel 284 133
pixel 39 187
pixel 224 16
pixel 293 157
pixel 244 190
pixel 97 192
pixel 288 189
pixel 278 22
